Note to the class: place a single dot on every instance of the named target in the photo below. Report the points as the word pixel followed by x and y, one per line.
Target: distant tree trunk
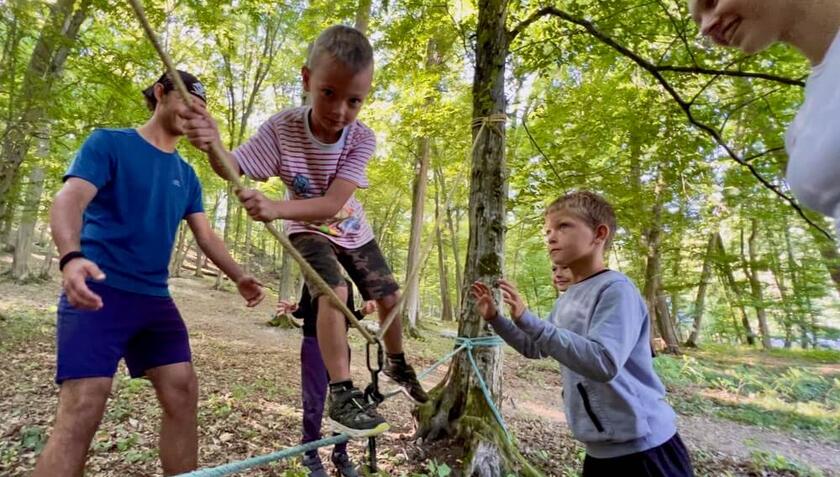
pixel 799 295
pixel 660 319
pixel 247 264
pixel 46 268
pixel 735 289
pixel 700 300
pixel 421 180
pixel 453 237
pixel 443 272
pixel 288 288
pixel 29 216
pixel 199 260
pixel 45 66
pixel 751 270
pixel 787 302
pixel 412 288
pixel 7 214
pixel 363 15
pixel 178 255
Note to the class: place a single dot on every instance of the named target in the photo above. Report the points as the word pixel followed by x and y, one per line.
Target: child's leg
pixel 369 270
pixel 313 383
pixel 332 337
pixel 347 410
pixel 393 335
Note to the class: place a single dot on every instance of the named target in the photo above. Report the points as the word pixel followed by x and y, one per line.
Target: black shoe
pixel 350 414
pixel 313 463
pixel 343 464
pixel 403 375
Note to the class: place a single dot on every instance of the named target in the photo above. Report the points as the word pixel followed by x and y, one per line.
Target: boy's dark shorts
pixel 145 330
pixel 366 265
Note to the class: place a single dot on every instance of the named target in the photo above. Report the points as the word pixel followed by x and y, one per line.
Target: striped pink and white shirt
pixel 285 147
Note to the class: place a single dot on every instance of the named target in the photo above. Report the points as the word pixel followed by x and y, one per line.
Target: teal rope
pixel 239 466
pixel 487 341
pixel 468 344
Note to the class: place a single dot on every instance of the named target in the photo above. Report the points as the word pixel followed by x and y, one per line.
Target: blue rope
pixel 468 344
pixel 484 341
pixel 239 466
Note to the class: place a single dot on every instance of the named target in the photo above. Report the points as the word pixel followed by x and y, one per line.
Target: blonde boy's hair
pixel 341 43
pixel 589 207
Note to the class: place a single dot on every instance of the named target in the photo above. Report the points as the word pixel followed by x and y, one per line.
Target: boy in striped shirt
pixel 320 151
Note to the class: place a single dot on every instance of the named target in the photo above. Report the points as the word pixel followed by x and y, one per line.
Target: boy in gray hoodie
pixel 599 331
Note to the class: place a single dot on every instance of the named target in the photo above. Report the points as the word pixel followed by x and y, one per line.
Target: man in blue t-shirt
pixel 114 223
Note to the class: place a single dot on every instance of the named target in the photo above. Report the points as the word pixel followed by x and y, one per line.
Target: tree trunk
pixel 45 66
pixel 660 319
pixel 799 295
pixel 700 300
pixel 453 236
pixel 7 215
pixel 46 268
pixel 199 260
pixel 726 269
pixel 29 216
pixel 418 200
pixel 457 406
pixel 443 272
pixel 178 256
pixel 751 269
pixel 288 288
pixel 363 15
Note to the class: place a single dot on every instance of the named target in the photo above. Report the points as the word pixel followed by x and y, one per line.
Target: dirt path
pixel 233 346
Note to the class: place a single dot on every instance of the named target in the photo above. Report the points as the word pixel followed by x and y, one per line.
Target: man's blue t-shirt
pixel 142 195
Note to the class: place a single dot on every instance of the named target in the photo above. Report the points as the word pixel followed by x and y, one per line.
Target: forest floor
pixel 741 412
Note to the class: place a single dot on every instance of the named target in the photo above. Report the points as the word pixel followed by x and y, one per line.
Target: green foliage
pixel 730 384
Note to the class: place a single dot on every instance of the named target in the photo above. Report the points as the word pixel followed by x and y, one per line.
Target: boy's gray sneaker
pixel 349 413
pixel 403 375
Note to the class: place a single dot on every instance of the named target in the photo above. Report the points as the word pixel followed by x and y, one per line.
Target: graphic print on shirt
pixel 345 221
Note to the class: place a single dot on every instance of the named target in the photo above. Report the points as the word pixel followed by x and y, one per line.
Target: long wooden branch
pixel 669 88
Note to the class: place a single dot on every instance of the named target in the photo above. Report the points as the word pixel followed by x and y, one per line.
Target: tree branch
pixel 684 105
pixel 734 73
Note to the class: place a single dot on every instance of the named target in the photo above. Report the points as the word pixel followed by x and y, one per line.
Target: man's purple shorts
pixel 146 330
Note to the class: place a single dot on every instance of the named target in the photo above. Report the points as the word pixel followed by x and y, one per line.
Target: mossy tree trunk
pixel 457 407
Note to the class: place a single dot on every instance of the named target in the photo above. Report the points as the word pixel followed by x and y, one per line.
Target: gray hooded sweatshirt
pixel 599 331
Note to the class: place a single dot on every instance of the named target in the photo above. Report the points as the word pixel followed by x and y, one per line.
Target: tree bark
pixel 443 271
pixel 418 200
pixel 735 289
pixel 751 269
pixel 457 406
pixel 29 217
pixel 660 319
pixel 700 300
pixel 363 15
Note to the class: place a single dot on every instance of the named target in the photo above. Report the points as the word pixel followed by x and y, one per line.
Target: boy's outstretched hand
pixel 485 305
pixel 512 297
